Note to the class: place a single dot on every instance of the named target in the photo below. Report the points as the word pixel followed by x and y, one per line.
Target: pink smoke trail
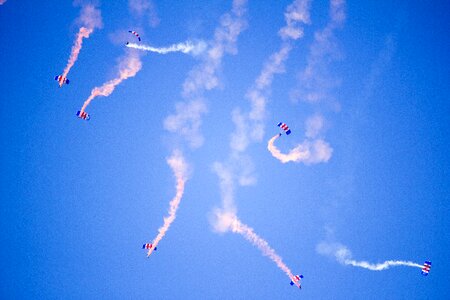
pixel 83 33
pixel 89 19
pixel 261 244
pixel 128 67
pixel 179 168
pixel 308 152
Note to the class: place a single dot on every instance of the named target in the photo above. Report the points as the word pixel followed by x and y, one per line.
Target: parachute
pixel 426 268
pixel 284 127
pixel 135 33
pixel 61 80
pixel 149 246
pixel 83 115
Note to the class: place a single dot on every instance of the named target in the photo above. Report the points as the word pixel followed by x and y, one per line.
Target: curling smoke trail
pixel 232 222
pixel 344 256
pixel 309 152
pixel 83 33
pixel 186 47
pixel 128 67
pixel 179 168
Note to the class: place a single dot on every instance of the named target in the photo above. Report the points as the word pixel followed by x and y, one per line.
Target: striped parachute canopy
pixel 426 268
pixel 135 33
pixel 148 246
pixel 284 127
pixel 83 115
pixel 61 80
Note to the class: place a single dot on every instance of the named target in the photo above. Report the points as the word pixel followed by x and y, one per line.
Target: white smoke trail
pixel 239 167
pixel 230 221
pixel 179 168
pixel 2 2
pixel 296 16
pixel 186 47
pixel 381 266
pixel 344 256
pixel 128 67
pixel 90 18
pixel 308 152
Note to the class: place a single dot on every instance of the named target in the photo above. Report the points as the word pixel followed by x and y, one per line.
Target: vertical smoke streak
pixel 83 33
pixel 128 67
pixel 296 15
pixel 90 18
pixel 179 168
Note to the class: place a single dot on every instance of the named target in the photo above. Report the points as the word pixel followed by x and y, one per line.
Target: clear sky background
pixel 80 198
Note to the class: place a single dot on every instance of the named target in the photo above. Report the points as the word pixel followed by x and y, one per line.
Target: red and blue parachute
pixel 148 246
pixel 296 280
pixel 61 80
pixel 284 127
pixel 135 33
pixel 83 115
pixel 426 268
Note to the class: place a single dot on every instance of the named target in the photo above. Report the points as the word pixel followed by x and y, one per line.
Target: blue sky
pixel 80 198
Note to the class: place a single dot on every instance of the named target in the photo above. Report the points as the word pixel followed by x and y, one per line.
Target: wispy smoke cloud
pixel 308 152
pixel 316 81
pixel 180 169
pixel 129 65
pixel 343 255
pixel 2 2
pixel 186 121
pixel 186 47
pixel 144 8
pixel 314 125
pixel 90 17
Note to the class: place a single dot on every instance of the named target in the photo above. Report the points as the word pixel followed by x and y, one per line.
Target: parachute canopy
pixel 284 127
pixel 61 80
pixel 83 115
pixel 426 268
pixel 135 33
pixel 148 246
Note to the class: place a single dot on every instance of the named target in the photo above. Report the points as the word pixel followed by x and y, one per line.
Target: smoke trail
pixel 309 152
pixel 2 2
pixel 381 266
pixel 231 222
pixel 90 18
pixel 83 33
pixel 179 168
pixel 296 16
pixel 344 256
pixel 186 47
pixel 128 67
